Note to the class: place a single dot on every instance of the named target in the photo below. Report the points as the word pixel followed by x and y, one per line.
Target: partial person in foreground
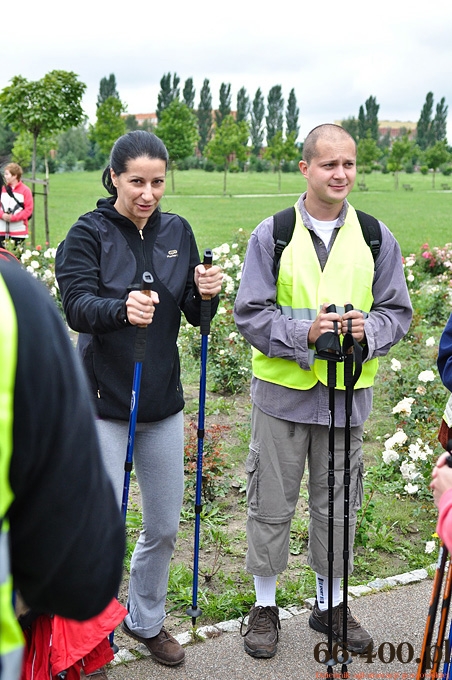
pixel 99 268
pixel 282 312
pixel 62 536
pixel 441 484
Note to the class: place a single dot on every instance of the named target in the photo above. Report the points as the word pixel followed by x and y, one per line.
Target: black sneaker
pixel 261 635
pixel 358 639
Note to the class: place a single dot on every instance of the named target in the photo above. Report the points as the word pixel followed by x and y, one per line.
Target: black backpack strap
pixel 371 231
pixel 283 226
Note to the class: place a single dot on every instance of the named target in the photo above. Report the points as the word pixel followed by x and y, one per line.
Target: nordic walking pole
pixel 329 348
pixel 140 351
pixel 352 357
pixel 194 611
pixel 446 668
pixel 442 623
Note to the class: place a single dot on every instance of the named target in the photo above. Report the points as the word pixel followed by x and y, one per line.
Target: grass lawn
pixel 415 217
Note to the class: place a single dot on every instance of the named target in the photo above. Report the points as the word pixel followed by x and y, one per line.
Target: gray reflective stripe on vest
pixel 4 558
pixel 11 665
pixel 309 314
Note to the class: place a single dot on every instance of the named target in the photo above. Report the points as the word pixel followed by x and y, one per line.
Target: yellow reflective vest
pixel 302 287
pixel 11 638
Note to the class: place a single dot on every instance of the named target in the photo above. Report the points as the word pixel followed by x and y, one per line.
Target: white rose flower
pixel 430 547
pixel 411 488
pixel 390 456
pixel 404 406
pixel 396 365
pixel 430 341
pixel 426 376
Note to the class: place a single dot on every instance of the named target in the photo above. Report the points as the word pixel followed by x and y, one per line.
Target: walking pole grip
pixel 140 341
pixel 205 299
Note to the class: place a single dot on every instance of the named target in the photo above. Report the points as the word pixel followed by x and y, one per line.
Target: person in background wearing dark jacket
pixel 16 205
pixel 62 536
pixel 99 268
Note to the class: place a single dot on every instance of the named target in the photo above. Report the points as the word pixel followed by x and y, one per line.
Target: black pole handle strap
pixel 205 299
pixel 140 340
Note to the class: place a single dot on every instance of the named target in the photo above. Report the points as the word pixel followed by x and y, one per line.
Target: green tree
pixel 368 119
pixel 275 112
pixel 109 125
pixel 229 142
pixel 7 137
pixel 280 150
pixel 439 123
pixel 257 123
pixel 435 156
pixel 188 93
pixel 179 132
pixel 243 105
pixel 131 123
pixel 74 141
pixel 107 88
pixel 367 153
pixel 401 151
pixel 168 92
pixel 204 116
pixel 424 133
pixel 42 108
pixel 224 108
pixel 292 113
pixel 351 124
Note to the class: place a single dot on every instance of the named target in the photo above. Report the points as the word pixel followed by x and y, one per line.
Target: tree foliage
pixel 107 88
pixel 292 113
pixel 280 150
pixel 109 124
pixel 229 142
pixel 243 106
pixel 351 124
pixel 275 112
pixel 224 108
pixel 424 134
pixel 168 91
pixel 401 151
pixel 42 108
pixel 204 116
pixel 257 122
pixel 435 156
pixel 188 93
pixel 367 153
pixel 368 119
pixel 178 131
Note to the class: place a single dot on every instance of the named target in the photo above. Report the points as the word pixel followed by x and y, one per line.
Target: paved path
pixel 396 619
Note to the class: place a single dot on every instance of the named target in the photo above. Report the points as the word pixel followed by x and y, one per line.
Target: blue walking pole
pixel 139 354
pixel 194 611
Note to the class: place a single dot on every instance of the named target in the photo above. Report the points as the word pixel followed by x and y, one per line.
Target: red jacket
pixel 18 226
pixel 54 644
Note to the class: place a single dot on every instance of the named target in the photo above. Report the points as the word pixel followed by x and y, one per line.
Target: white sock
pixel 322 591
pixel 265 587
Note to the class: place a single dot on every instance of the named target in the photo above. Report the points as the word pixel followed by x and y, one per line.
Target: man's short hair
pixel 328 131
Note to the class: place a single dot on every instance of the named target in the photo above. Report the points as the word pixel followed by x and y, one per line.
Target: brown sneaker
pixel 164 647
pixel 358 639
pixel 261 635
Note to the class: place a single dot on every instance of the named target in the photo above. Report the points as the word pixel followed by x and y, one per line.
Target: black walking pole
pixel 328 347
pixel 194 611
pixel 140 351
pixel 352 352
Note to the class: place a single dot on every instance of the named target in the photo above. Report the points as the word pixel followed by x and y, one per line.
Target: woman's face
pixel 140 188
pixel 10 179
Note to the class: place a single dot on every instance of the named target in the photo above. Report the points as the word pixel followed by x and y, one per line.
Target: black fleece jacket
pixel 102 258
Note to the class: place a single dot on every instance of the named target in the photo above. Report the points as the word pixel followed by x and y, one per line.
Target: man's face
pixel 332 172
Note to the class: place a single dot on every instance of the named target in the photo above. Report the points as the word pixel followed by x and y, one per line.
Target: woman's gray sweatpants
pixel 279 450
pixel 158 461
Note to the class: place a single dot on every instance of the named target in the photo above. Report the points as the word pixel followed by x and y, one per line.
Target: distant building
pixel 394 128
pixel 141 117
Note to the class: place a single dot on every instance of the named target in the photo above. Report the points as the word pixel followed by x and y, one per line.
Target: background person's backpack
pixel 284 224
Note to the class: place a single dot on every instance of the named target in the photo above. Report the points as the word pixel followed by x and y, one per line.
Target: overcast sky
pixel 334 54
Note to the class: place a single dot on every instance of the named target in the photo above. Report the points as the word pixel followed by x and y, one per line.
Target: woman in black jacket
pixel 99 268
